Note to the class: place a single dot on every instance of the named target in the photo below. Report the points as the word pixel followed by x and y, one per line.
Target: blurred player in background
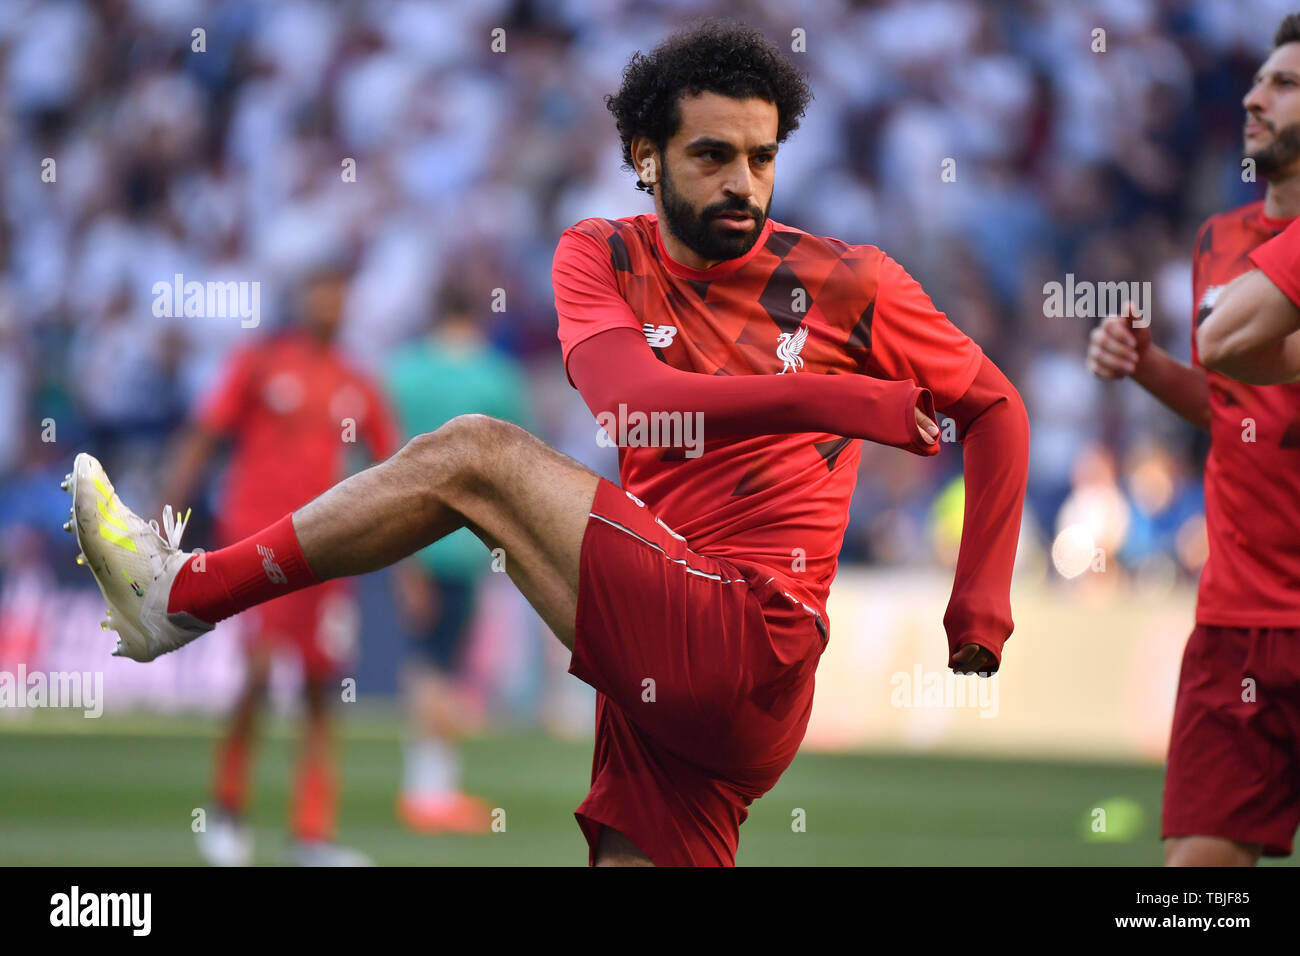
pixel 452 371
pixel 1232 781
pixel 292 407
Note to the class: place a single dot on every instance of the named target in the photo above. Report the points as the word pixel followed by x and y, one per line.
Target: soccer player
pixel 692 598
pixel 1251 333
pixel 451 371
pixel 292 406
pixel 1232 781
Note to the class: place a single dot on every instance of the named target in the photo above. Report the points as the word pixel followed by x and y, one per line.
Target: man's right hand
pixel 1116 348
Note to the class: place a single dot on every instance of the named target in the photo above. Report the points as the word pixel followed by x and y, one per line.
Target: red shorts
pixel 319 624
pixel 703 669
pixel 1234 751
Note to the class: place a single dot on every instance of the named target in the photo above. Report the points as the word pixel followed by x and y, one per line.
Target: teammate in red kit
pixel 693 598
pixel 292 406
pixel 1232 783
pixel 1251 333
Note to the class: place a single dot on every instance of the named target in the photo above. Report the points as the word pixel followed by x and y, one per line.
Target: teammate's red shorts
pixel 1234 751
pixel 703 669
pixel 319 624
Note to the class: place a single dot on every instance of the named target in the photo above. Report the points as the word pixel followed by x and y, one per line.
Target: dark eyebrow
pixel 1289 74
pixel 708 142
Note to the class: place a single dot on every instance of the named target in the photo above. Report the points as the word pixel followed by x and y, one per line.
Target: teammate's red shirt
pixel 1252 474
pixel 286 402
pixel 1278 259
pixel 777 501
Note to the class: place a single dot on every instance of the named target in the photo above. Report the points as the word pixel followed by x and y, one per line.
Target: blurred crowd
pixel 242 140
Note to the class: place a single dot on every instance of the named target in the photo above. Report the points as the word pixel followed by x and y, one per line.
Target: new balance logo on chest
pixel 659 336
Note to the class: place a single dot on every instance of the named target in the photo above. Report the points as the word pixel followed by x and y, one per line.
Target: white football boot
pixel 133 562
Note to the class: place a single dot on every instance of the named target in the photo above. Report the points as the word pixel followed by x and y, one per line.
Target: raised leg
pixel 516 493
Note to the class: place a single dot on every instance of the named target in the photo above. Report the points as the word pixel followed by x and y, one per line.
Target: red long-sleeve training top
pixel 784 356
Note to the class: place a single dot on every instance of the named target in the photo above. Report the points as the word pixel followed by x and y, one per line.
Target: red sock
pixel 232 775
pixel 265 565
pixel 315 796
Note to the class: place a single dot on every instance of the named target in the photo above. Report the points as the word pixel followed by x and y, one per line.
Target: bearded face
pixel 1279 154
pixel 719 230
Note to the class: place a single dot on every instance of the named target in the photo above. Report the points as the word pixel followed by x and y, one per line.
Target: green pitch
pixel 122 791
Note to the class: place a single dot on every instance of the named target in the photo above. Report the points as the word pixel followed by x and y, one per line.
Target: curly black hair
pixel 712 56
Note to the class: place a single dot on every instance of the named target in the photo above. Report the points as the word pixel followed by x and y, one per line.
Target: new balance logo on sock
pixel 272 569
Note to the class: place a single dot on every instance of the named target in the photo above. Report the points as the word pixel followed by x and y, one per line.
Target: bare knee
pixel 1210 851
pixel 466 452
